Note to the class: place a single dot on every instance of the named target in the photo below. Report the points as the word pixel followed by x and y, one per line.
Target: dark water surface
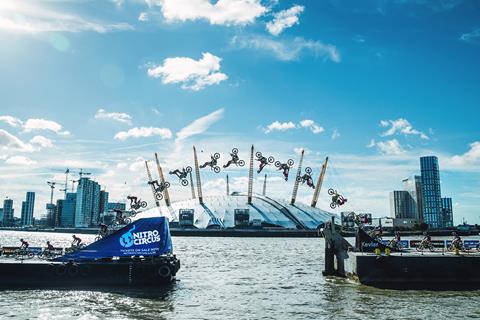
pixel 237 278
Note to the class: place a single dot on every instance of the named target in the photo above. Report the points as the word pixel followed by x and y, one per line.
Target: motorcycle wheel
pixel 333 205
pixel 158 196
pixel 188 169
pixel 298 179
pixel 167 184
pixel 331 192
pixel 98 238
pixel 277 164
pixel 308 170
pixel 184 182
pixel 234 150
pixel 241 163
pixel 216 169
pixel 216 155
pixel 271 159
pixel 258 154
pixel 127 220
pixel 143 204
pixel 290 162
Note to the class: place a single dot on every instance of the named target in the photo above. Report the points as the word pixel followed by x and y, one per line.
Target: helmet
pixel 21 239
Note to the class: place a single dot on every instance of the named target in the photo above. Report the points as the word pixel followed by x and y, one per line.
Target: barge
pixel 137 255
pixel 373 263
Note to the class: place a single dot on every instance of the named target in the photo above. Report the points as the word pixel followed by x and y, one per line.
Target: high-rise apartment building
pixel 8 213
pixel 432 200
pixel 27 209
pixel 87 206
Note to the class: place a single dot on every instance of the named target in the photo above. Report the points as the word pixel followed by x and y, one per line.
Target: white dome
pixel 219 211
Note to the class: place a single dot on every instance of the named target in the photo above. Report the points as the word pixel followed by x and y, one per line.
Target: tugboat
pixel 374 263
pixel 137 255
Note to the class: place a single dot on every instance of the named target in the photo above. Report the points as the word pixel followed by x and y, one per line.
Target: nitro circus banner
pixel 143 237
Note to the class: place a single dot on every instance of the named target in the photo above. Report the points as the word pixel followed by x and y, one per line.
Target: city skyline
pixel 373 87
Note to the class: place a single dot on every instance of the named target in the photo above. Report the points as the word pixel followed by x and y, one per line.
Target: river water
pixel 236 278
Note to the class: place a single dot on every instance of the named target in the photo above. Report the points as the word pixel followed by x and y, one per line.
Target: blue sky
pixel 101 85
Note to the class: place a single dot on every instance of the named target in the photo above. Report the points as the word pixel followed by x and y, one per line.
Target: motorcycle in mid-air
pixel 212 163
pixel 307 177
pixel 159 187
pixel 235 159
pixel 136 203
pixel 264 161
pixel 182 175
pixel 337 199
pixel 285 167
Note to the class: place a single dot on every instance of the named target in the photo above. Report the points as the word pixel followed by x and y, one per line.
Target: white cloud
pixel 192 74
pixel 471 37
pixel 284 19
pixel 200 125
pixel 12 121
pixel 9 142
pixel 288 50
pixel 115 116
pixel 390 147
pixel 35 17
pixel 401 126
pixel 335 134
pixel 42 141
pixel 310 124
pixel 279 126
pixel 42 124
pixel 221 12
pixel 472 156
pixel 143 16
pixel 138 132
pixel 20 161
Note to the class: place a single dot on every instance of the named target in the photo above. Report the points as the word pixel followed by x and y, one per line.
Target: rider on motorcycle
pixel 181 174
pixel 211 163
pixel 133 200
pixel 338 199
pixel 286 169
pixel 457 242
pixel 76 241
pixel 427 239
pixel 234 160
pixel 103 230
pixel 159 187
pixel 50 247
pixel 24 244
pixel 263 162
pixel 395 243
pixel 308 178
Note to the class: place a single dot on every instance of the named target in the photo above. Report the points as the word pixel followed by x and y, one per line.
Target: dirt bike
pixel 182 175
pixel 285 167
pixel 263 161
pixel 74 248
pixel 138 204
pixel 337 199
pixel 48 254
pixel 213 163
pixel 159 188
pixel 395 245
pixel 235 160
pixel 425 245
pixel 21 254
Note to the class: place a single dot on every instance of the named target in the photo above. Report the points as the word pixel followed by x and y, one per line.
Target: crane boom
pixel 150 179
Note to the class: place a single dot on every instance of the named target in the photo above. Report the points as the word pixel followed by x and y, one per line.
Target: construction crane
pixel 66 184
pixel 83 173
pixel 50 207
pixel 73 184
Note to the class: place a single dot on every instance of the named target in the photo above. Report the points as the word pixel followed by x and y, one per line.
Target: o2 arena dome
pixel 234 211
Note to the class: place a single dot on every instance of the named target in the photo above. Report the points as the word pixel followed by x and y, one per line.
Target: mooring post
pixel 328 233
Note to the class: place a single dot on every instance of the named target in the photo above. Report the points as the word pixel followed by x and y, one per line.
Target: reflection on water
pixel 236 278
